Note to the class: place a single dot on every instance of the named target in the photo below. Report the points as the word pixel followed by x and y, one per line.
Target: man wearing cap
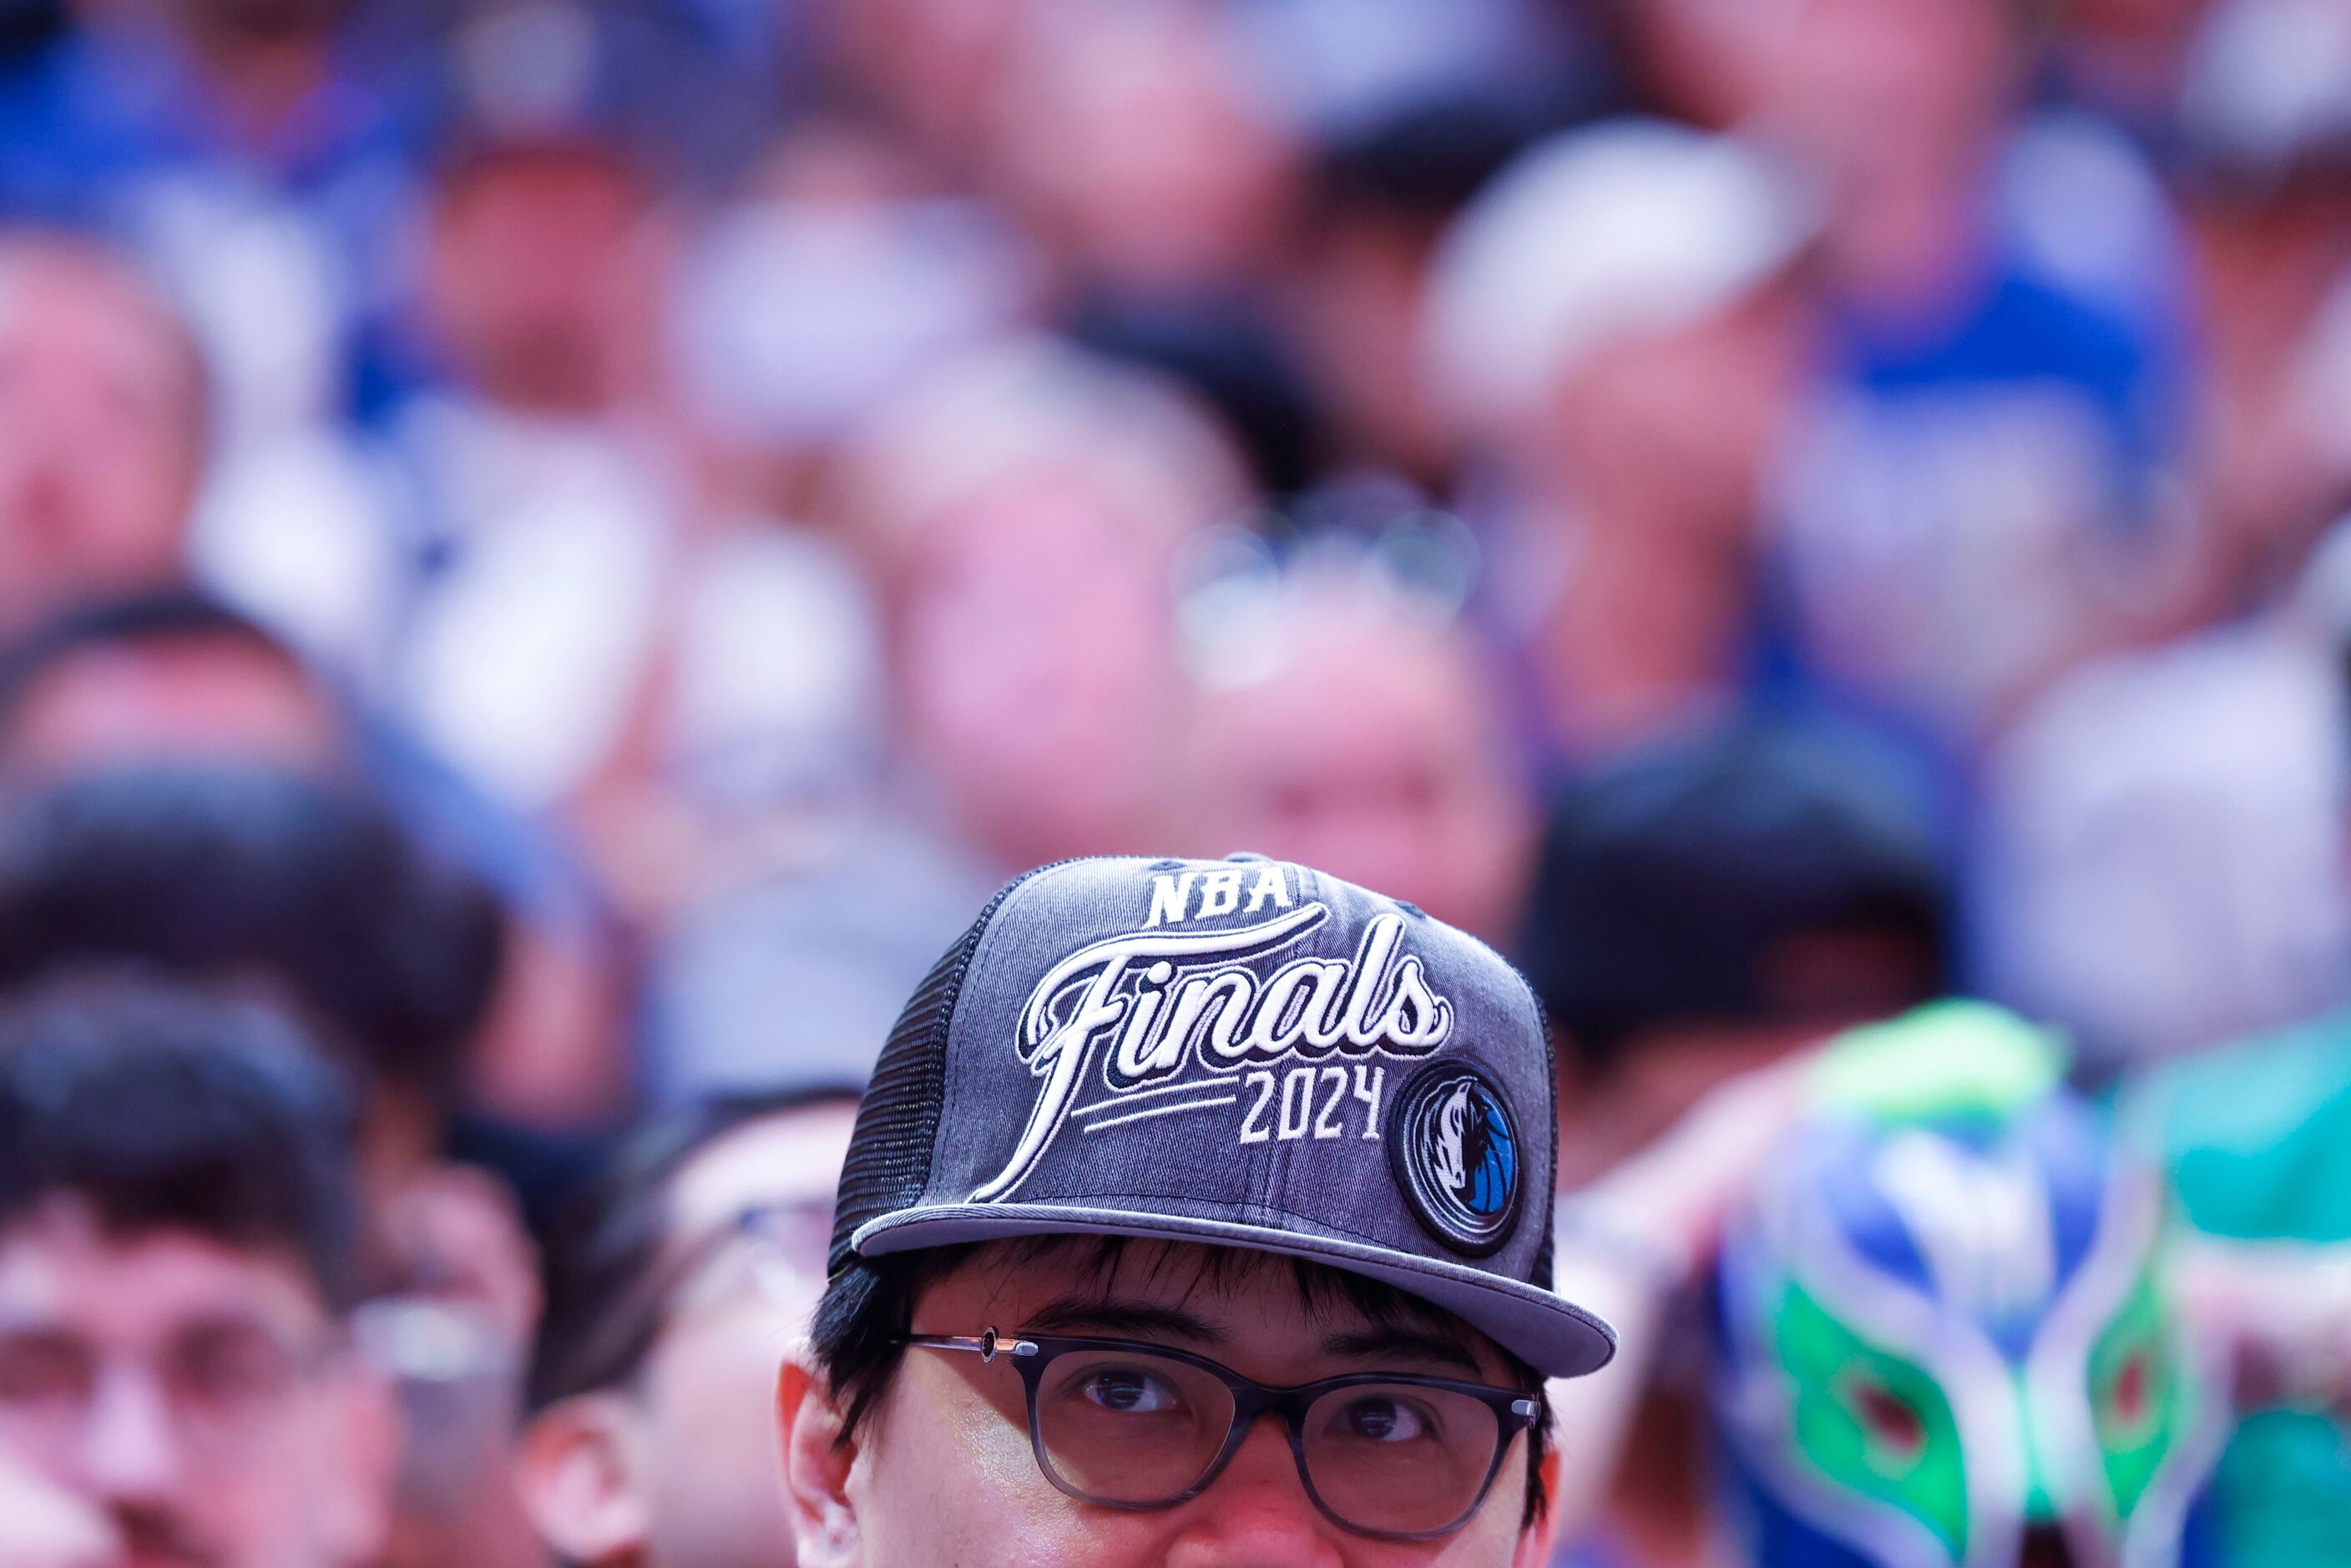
pixel 1198 1212
pixel 1619 327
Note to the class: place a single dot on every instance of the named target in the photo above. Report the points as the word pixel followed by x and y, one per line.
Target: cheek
pixel 716 1465
pixel 283 1497
pixel 717 1393
pixel 136 510
pixel 1493 1536
pixel 947 1478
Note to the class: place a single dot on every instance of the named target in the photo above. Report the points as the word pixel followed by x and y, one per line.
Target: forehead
pixel 1238 1291
pixel 59 1267
pixel 1409 692
pixel 790 1158
pixel 1060 503
pixel 502 188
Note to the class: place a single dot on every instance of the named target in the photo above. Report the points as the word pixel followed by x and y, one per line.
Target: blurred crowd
pixel 559 549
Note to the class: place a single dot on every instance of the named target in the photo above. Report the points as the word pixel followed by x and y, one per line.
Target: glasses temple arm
pixel 987 1344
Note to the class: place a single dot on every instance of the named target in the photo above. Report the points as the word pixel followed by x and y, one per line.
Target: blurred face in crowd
pixel 681 1469
pixel 171 698
pixel 1357 312
pixel 1675 429
pixel 1372 752
pixel 1132 133
pixel 943 1471
pixel 539 277
pixel 1034 668
pixel 101 430
pixel 199 1398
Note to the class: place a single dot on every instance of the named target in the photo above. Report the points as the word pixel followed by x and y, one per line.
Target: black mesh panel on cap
pixel 889 1160
pixel 1546 1267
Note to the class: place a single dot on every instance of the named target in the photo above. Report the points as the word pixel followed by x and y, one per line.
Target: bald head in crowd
pixel 102 425
pixel 1369 741
pixel 1034 487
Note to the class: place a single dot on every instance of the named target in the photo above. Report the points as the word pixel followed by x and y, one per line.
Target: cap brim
pixel 1552 1334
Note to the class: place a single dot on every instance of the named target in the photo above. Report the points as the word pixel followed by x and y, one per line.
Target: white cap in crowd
pixel 1623 229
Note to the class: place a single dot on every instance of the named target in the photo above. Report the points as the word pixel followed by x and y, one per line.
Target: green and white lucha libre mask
pixel 1946 1336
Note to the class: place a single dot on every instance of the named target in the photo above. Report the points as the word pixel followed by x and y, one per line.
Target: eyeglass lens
pixel 218 1380
pixel 1397 1459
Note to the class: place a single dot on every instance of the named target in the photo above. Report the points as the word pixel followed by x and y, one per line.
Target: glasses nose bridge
pixel 1252 1403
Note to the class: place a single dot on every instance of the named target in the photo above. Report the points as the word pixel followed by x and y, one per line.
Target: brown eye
pixel 1891 1422
pixel 1130 1392
pixel 1384 1418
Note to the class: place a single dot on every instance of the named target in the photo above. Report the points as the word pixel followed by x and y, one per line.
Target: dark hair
pixel 1679 885
pixel 227 874
pixel 602 1263
pixel 167 1110
pixel 151 616
pixel 1422 163
pixel 868 1309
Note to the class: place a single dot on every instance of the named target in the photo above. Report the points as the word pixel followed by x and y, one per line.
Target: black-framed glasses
pixel 1128 1426
pixel 223 1383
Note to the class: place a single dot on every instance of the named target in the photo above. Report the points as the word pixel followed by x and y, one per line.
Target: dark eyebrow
pixel 1410 1345
pixel 1091 1314
pixel 229 1321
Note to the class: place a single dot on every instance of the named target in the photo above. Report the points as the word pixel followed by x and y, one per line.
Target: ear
pixel 817 1456
pixel 1536 1545
pixel 362 1443
pixel 580 1482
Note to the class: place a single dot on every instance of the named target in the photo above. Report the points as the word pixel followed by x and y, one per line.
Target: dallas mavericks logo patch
pixel 1455 1153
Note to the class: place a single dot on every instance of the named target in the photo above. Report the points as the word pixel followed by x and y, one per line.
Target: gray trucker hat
pixel 1242 1052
